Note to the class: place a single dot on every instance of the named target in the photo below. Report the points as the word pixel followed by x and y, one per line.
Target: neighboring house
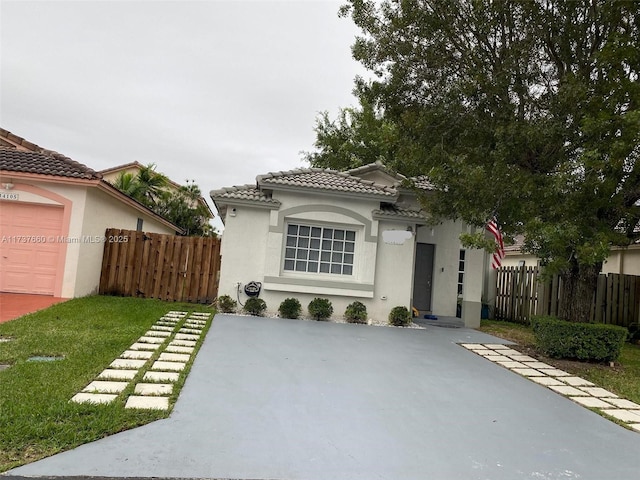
pixel 111 174
pixel 346 236
pixel 53 216
pixel 623 260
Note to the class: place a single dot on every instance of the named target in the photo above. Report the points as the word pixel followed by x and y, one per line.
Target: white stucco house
pixel 53 216
pixel 345 236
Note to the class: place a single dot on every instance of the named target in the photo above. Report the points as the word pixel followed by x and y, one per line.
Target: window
pixel 319 250
pixel 461 271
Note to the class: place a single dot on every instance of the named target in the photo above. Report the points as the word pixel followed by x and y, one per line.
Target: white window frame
pixel 319 249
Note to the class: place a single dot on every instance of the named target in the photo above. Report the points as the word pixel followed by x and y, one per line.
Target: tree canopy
pixel 523 109
pixel 180 206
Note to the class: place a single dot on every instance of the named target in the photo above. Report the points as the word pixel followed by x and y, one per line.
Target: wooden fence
pixel 521 294
pixel 166 267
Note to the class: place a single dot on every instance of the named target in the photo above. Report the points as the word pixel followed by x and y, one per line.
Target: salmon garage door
pixel 30 248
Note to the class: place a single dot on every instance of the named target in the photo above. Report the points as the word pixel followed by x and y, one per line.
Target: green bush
pixel 255 306
pixel 226 304
pixel 356 312
pixel 320 308
pixel 634 333
pixel 400 317
pixel 290 308
pixel 581 341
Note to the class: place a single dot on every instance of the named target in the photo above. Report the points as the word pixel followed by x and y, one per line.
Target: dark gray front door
pixel 423 277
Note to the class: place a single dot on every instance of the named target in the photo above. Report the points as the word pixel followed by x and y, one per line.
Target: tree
pixel 358 136
pixel 524 109
pixel 183 208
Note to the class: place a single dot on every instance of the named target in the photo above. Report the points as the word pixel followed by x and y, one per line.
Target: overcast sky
pixel 215 91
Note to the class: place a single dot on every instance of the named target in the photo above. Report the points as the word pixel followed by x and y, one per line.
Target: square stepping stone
pixel 162 328
pixel 496 346
pixel 497 358
pixel 153 389
pixel 524 358
pixel 623 403
pixel 546 381
pixel 511 364
pixel 177 349
pixel 598 392
pixel 568 390
pixel 590 402
pixel 555 372
pixel 157 333
pixel 105 387
pixel 114 374
pixel 183 343
pixel 126 363
pixel 628 416
pixel 508 351
pixel 635 426
pixel 187 336
pixel 144 346
pixel 148 403
pixel 535 364
pixel 190 330
pixel 488 353
pixel 174 357
pixel 136 354
pixel 576 382
pixel 161 377
pixel 147 339
pixel 168 366
pixel 527 372
pixel 93 398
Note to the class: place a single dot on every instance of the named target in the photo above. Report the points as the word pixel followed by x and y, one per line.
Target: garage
pixel 31 247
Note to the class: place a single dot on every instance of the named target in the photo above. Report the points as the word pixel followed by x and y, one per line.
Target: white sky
pixel 214 91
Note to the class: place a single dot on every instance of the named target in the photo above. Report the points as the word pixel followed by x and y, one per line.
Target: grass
pixel 623 378
pixel 36 417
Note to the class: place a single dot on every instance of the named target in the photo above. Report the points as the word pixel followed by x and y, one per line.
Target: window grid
pixel 461 271
pixel 319 250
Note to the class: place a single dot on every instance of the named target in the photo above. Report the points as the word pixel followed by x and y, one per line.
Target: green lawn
pixel 36 417
pixel 623 378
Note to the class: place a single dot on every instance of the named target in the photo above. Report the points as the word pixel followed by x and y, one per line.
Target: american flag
pixel 498 254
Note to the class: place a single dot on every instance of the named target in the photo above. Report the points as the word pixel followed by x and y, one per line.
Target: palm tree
pixel 127 183
pixel 152 185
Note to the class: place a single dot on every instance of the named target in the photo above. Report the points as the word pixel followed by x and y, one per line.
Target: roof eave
pixel 333 192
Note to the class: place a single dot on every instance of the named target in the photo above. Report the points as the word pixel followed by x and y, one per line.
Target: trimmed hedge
pixel 320 308
pixel 400 317
pixel 582 341
pixel 290 308
pixel 255 306
pixel 356 312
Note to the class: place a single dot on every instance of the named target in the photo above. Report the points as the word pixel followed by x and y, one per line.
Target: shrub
pixel 255 306
pixel 356 312
pixel 400 317
pixel 320 308
pixel 226 304
pixel 634 333
pixel 582 341
pixel 290 308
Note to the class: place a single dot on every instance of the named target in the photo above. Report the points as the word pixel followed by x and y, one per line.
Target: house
pixel 54 213
pixel 355 235
pixel 111 174
pixel 622 260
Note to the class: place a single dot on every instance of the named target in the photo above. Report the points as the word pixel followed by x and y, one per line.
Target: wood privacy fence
pixel 521 294
pixel 166 267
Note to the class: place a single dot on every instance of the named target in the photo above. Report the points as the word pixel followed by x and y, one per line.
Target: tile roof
pixel 243 192
pixel 391 211
pixel 325 179
pixel 44 162
pixel 422 182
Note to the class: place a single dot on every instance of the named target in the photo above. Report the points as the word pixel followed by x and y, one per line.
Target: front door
pixel 423 277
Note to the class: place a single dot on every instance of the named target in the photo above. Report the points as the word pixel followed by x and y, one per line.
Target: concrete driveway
pixel 284 399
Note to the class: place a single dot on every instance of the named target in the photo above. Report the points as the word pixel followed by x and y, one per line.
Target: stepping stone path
pixel 577 389
pixel 161 354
